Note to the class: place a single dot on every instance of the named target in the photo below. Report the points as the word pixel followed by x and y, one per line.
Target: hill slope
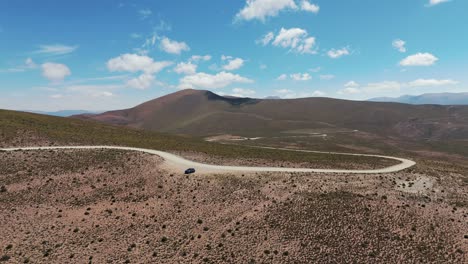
pixel 204 113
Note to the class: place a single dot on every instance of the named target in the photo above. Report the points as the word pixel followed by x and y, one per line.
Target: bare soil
pixel 362 163
pixel 107 206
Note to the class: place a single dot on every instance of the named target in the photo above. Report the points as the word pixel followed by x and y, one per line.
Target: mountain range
pixel 430 98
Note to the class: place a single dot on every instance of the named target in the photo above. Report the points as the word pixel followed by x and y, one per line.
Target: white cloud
pixel 307 6
pixel 436 2
pixel 327 77
pixel 55 72
pixel 318 94
pixel 316 69
pixel 283 91
pixel 263 66
pixel 56 49
pixel 241 92
pixel 399 45
pixel 94 91
pixel 30 64
pixel 300 76
pixel 134 63
pixel 261 9
pixel 197 58
pixel 265 40
pixel 419 59
pixel 288 94
pixel 295 39
pixel 209 81
pixel 233 63
pixel 431 82
pixel 282 77
pixel 338 53
pixel 173 47
pixel 142 82
pixel 145 13
pixel 349 90
pixel 391 88
pixel 351 84
pixel 187 68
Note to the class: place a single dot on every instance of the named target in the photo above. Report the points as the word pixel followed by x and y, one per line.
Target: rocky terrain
pixel 107 206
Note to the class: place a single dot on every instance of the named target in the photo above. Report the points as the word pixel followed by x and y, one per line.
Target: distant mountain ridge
pixel 429 98
pixel 64 113
pixel 203 113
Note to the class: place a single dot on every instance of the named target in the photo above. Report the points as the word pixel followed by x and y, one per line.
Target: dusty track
pixel 177 163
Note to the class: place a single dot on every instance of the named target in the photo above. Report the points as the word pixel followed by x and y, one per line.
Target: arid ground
pixel 107 206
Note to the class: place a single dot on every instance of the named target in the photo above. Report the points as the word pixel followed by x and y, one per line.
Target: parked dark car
pixel 190 171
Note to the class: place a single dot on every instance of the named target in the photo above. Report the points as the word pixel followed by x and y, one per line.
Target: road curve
pixel 180 164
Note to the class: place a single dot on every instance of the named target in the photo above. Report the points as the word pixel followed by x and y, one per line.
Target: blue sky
pixel 101 55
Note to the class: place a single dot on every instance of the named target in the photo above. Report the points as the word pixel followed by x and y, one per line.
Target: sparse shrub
pixel 5 258
pixel 3 189
pixel 163 239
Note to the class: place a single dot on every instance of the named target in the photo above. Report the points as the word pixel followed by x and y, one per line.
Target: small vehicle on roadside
pixel 190 171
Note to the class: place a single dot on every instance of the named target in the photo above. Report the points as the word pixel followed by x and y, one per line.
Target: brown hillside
pixel 203 113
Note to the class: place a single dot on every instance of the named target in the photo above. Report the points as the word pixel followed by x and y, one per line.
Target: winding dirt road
pixel 178 163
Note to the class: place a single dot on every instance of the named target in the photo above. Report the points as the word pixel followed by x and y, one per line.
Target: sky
pixel 104 55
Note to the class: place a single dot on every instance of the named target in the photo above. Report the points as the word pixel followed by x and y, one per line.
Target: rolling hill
pixel 203 113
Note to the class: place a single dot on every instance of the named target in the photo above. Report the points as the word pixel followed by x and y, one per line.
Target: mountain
pixel 63 113
pixel 430 98
pixel 203 113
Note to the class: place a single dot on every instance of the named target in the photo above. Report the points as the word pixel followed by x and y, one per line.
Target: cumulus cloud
pixel 294 39
pixel 135 63
pixel 55 72
pixel 352 84
pixel 431 82
pixel 307 6
pixel 232 63
pixel 187 68
pixel 295 77
pixel 55 49
pixel 266 39
pixel 300 76
pixel 436 2
pixel 142 82
pixel 210 81
pixel 399 45
pixel 282 77
pixel 197 58
pixel 262 9
pixel 338 53
pixel 173 47
pixel 419 59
